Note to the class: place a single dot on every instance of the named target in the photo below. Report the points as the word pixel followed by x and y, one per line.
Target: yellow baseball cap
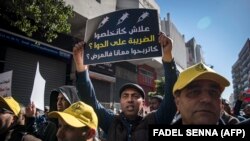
pixel 77 115
pixel 11 104
pixel 198 72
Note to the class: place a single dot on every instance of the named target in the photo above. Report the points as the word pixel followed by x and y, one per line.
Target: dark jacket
pixel 229 119
pixel 119 127
pixel 245 122
pixel 18 133
pixel 48 129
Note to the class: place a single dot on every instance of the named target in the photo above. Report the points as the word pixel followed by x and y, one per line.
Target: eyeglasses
pixel 4 111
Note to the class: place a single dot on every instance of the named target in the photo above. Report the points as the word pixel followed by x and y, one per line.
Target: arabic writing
pixel 121 31
pixel 108 33
pixel 120 42
pixel 4 87
pixel 105 54
pixel 5 81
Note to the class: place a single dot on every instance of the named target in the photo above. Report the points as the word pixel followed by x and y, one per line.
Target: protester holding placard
pixel 128 125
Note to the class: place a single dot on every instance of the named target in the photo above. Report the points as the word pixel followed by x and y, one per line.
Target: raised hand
pixel 78 52
pixel 167 45
pixel 30 110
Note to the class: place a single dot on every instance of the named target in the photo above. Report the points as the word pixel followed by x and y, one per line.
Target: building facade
pixel 21 54
pixel 194 52
pixel 241 70
pixel 179 48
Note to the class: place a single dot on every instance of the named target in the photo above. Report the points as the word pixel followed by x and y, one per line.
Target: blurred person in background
pixel 226 113
pixel 155 102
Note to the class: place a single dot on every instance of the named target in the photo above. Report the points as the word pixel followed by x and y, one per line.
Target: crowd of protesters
pixel 192 97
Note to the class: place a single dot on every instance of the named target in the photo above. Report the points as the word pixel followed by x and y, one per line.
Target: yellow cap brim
pixel 68 119
pixel 223 82
pixel 10 104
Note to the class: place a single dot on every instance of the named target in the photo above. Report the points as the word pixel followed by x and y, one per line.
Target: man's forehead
pixel 60 95
pixel 203 82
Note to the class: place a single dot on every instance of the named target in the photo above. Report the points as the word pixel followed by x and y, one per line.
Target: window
pixel 146 77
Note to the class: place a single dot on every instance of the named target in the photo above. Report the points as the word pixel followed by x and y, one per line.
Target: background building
pixel 179 48
pixel 194 52
pixel 241 70
pixel 21 54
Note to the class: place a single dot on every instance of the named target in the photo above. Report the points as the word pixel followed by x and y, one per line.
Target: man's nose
pixel 130 98
pixel 205 96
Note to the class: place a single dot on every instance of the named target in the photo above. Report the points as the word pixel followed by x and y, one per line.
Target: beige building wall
pixel 92 8
pixel 179 47
pixel 127 4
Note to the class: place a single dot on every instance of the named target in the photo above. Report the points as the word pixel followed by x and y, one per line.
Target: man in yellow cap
pixel 8 113
pixel 76 123
pixel 11 121
pixel 197 93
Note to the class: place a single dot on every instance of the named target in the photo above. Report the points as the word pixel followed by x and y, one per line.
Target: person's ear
pixel 90 134
pixel 14 120
pixel 177 100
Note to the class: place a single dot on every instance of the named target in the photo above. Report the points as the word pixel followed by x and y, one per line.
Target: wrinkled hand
pixel 167 45
pixel 30 110
pixel 78 57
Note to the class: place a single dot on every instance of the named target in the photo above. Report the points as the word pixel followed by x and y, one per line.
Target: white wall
pixel 179 48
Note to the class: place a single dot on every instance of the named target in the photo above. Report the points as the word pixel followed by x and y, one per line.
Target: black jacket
pixel 18 133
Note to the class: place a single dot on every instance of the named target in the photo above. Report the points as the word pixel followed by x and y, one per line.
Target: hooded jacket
pixel 69 92
pixel 18 133
pixel 47 131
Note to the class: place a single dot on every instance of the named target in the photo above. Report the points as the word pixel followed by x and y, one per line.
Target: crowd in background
pixel 75 114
